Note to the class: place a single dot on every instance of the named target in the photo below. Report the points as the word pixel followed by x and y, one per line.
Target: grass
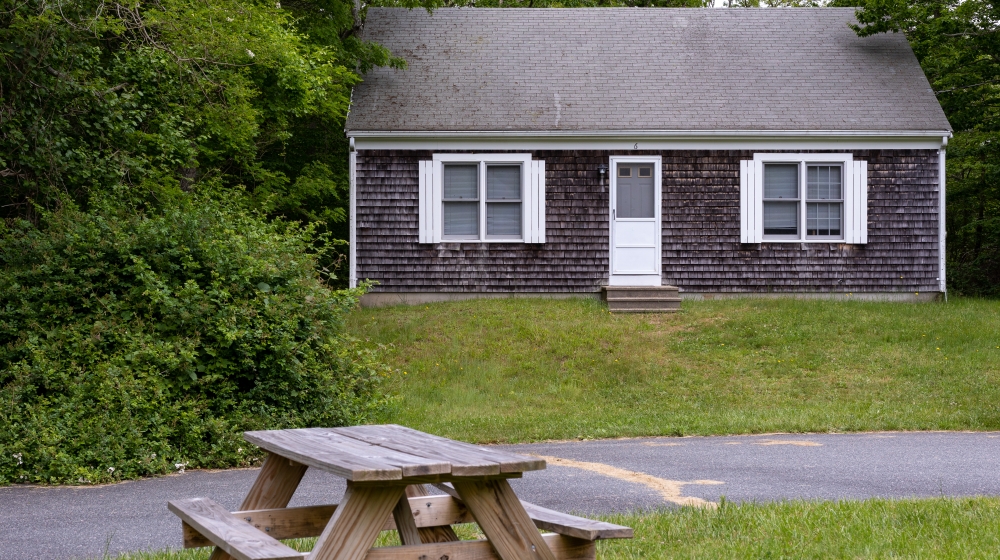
pixel 934 528
pixel 517 370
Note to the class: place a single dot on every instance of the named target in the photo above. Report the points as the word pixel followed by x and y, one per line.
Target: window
pixel 784 203
pixel 804 198
pixel 483 198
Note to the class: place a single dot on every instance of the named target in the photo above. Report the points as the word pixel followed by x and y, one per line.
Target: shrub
pixel 136 343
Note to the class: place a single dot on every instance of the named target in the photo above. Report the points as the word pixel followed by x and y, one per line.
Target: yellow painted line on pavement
pixel 670 490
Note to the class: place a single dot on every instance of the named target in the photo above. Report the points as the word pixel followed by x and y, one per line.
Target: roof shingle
pixel 658 69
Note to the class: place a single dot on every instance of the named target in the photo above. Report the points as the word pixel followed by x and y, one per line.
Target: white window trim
pixel 532 197
pixel 752 196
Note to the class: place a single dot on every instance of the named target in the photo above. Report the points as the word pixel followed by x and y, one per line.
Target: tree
pixel 168 96
pixel 958 46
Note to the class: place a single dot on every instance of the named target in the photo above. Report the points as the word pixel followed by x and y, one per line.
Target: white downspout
pixel 352 254
pixel 941 208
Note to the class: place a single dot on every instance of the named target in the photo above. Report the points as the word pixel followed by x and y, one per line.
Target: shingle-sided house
pixel 721 151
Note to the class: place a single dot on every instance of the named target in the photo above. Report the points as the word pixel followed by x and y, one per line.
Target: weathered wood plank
pixel 573 526
pixel 357 522
pixel 280 523
pixel 503 520
pixel 430 514
pixel 563 548
pixel 405 525
pixel 563 523
pixel 466 459
pixel 328 440
pixel 274 487
pixel 422 505
pixel 232 535
pixel 275 484
pixel 345 465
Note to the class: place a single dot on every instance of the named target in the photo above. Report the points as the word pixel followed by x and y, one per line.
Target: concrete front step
pixel 641 299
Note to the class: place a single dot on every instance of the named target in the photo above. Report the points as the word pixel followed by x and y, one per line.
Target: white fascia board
pixel 648 140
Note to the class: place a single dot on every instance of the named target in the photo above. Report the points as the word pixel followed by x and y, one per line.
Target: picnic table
pixel 387 468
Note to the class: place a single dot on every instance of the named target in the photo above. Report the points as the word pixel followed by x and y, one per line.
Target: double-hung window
pixel 804 198
pixel 482 197
pixel 792 212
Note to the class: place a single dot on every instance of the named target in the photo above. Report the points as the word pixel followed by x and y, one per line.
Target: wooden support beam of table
pixel 563 548
pixel 430 513
pixel 435 533
pixel 405 525
pixel 276 483
pixel 274 486
pixel 357 522
pixel 503 520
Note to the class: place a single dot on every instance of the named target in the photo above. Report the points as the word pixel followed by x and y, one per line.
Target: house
pixel 721 151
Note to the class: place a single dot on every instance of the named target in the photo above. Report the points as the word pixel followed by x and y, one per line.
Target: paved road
pixel 585 477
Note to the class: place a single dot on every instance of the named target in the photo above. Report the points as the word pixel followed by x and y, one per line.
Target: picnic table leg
pixel 502 518
pixel 405 525
pixel 429 535
pixel 276 483
pixel 357 522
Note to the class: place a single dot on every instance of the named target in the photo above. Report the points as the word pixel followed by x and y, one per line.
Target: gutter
pixel 657 134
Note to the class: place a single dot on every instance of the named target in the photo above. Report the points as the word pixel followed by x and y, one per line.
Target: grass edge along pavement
pixel 874 528
pixel 519 370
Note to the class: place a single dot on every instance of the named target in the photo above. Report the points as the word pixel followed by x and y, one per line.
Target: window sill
pixel 513 240
pixel 838 241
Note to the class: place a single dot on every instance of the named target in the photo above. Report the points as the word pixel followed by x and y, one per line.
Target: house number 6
pixel 636 147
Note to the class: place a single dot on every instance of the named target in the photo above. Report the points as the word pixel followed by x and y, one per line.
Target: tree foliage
pixel 134 342
pixel 958 45
pixel 170 95
pixel 155 299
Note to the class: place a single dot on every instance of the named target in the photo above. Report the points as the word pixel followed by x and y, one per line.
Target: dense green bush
pixel 137 343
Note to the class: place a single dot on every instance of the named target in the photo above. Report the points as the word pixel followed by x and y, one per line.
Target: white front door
pixel 635 221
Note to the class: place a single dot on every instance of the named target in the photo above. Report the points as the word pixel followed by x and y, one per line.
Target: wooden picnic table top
pixel 390 452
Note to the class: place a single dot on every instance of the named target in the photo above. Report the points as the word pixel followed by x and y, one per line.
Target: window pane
pixel 823 182
pixel 461 218
pixel 781 180
pixel 824 218
pixel 503 182
pixel 635 197
pixel 781 218
pixel 503 218
pixel 461 182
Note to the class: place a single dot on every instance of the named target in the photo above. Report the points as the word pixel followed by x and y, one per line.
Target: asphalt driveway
pixel 583 476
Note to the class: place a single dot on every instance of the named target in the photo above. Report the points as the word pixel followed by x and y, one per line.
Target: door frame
pixel 652 279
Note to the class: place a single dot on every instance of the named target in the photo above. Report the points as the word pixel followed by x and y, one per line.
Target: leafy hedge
pixel 134 344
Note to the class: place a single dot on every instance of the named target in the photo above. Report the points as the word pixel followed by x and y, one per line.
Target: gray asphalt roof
pixel 606 69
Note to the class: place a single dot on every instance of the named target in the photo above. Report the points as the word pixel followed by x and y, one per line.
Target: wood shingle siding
pixel 701 246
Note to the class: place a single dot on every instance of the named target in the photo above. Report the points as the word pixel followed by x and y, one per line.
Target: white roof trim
pixel 657 134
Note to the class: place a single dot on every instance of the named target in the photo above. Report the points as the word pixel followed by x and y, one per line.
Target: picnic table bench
pixel 386 468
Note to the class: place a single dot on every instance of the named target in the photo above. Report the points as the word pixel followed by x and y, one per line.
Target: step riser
pixel 641 299
pixel 650 305
pixel 640 293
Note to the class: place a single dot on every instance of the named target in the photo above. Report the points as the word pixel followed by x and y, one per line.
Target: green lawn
pixel 935 528
pixel 526 369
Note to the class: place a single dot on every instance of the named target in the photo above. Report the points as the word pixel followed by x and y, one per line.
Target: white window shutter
pixel 751 201
pixel 856 204
pixel 534 223
pixel 427 209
